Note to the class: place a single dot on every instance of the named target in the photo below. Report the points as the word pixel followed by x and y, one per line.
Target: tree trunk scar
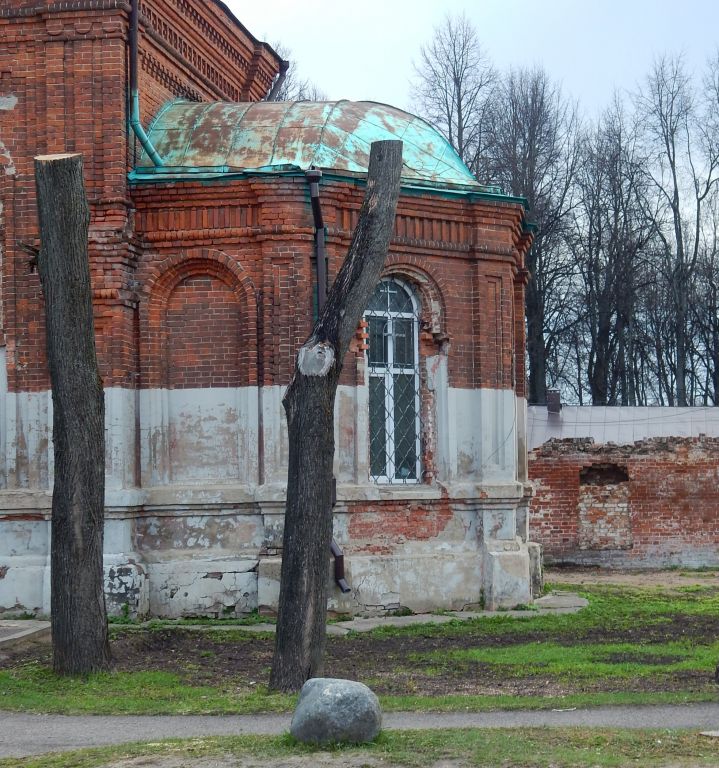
pixel 316 360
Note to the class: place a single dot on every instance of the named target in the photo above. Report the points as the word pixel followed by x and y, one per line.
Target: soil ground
pixel 319 759
pixel 666 579
pixel 393 665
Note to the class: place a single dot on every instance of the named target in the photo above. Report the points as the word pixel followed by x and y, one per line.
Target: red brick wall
pixel 382 527
pixel 67 68
pixel 649 504
pixel 65 64
pixel 202 323
pixel 196 51
pixel 466 286
pixel 262 228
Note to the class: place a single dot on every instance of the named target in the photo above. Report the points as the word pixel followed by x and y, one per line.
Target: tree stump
pixel 79 619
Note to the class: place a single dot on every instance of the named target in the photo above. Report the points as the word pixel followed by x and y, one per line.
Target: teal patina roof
pixel 277 137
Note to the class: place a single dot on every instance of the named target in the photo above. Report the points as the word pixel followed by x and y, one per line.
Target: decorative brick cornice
pixel 64 6
pixel 162 32
pixel 159 72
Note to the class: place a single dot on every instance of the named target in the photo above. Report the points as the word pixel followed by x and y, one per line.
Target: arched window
pixel 392 316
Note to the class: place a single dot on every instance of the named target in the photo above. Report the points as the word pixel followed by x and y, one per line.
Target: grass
pixel 249 619
pixel 611 608
pixel 586 661
pixel 516 748
pixel 511 702
pixel 35 688
pixel 570 651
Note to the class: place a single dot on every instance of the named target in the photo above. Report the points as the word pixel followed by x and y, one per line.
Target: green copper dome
pixel 275 137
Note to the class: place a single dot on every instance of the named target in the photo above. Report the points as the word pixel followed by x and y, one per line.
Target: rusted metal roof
pixel 219 137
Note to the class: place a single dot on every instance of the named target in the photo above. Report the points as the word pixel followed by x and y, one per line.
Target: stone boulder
pixel 331 711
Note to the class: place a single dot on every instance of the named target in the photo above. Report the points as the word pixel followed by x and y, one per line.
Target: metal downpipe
pixel 135 123
pixel 314 176
pixel 284 68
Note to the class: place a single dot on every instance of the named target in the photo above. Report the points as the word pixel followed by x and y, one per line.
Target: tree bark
pixel 536 349
pixel 309 406
pixel 79 619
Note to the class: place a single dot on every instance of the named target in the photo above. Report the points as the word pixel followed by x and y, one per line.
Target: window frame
pixel 387 372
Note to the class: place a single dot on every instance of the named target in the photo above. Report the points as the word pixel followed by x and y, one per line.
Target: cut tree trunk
pixel 78 615
pixel 309 405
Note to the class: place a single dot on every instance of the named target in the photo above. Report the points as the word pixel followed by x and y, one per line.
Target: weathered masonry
pixel 205 255
pixel 639 501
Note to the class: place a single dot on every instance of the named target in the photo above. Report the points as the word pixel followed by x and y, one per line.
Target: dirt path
pixel 299 761
pixel 671 579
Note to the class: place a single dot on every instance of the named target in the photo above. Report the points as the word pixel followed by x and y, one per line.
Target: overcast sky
pixel 365 49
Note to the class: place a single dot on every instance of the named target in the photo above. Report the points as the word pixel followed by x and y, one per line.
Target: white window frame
pixel 387 373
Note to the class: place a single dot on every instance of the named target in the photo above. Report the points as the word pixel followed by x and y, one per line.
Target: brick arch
pixel 195 270
pixel 433 315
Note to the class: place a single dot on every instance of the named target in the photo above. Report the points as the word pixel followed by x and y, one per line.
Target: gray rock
pixel 333 711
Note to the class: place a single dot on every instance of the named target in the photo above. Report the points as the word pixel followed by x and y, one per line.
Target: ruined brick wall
pixel 650 504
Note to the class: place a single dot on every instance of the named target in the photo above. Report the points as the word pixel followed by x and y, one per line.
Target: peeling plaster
pixel 210 546
pixel 126 590
pixel 196 588
pixel 7 161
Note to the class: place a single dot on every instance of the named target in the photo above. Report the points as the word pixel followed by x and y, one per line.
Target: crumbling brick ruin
pixel 653 503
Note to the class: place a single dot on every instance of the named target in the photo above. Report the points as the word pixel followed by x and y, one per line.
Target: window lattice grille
pixel 394 408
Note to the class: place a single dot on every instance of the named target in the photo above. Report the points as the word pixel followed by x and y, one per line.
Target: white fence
pixel 619 424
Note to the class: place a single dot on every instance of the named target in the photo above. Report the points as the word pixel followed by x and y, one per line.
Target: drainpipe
pixel 339 568
pixel 337 552
pixel 135 123
pixel 284 67
pixel 314 176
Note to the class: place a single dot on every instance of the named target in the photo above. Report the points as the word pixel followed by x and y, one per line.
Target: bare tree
pixel 609 234
pixel 79 620
pixel 680 132
pixel 309 405
pixel 453 88
pixel 704 312
pixel 533 154
pixel 294 87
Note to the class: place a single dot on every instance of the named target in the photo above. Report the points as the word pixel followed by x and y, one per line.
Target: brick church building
pixel 205 255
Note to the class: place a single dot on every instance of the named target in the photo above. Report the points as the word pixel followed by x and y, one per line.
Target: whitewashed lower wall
pixel 195 485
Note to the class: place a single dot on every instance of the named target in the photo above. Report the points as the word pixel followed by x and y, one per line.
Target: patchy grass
pixel 246 620
pixel 629 646
pixel 511 702
pixel 34 688
pixel 516 748
pixel 151 693
pixel 611 609
pixel 588 661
